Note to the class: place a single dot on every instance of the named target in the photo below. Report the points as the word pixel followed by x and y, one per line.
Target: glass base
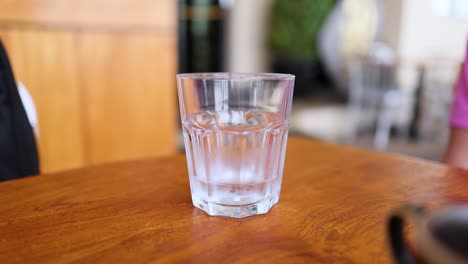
pixel 235 211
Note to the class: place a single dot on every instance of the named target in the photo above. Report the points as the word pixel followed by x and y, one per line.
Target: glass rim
pixel 235 76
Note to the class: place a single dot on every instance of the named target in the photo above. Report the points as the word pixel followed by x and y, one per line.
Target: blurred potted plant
pixel 294 29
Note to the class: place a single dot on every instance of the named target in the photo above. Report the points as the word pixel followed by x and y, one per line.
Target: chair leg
pixel 354 112
pixel 384 124
pixel 390 102
pixel 354 103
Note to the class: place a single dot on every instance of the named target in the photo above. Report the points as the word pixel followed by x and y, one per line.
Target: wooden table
pixel 332 209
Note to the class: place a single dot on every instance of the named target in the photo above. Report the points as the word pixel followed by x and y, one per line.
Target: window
pixel 450 8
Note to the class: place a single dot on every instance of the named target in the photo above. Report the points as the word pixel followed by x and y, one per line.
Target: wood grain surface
pixel 332 209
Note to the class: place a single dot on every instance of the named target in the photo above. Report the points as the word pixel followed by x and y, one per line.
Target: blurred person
pixel 457 150
pixel 18 150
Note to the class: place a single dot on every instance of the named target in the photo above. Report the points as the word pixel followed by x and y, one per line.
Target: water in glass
pixel 235 160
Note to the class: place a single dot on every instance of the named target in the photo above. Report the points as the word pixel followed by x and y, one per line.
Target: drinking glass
pixel 235 128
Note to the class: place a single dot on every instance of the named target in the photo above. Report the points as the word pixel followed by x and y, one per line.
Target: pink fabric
pixel 459 116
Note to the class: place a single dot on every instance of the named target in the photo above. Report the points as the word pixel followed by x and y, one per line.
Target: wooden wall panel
pixel 129 96
pixel 102 74
pixel 46 63
pixel 117 14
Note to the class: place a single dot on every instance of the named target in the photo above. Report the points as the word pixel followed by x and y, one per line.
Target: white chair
pixel 374 95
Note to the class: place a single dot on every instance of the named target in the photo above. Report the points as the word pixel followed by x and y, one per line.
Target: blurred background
pixel 377 74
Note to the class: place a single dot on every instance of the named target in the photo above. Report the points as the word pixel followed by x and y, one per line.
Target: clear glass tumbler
pixel 235 128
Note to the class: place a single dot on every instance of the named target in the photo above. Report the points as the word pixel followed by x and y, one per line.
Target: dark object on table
pixel 441 237
pixel 18 152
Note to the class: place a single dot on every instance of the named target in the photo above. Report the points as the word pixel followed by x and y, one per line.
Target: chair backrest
pixel 18 151
pixel 369 80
